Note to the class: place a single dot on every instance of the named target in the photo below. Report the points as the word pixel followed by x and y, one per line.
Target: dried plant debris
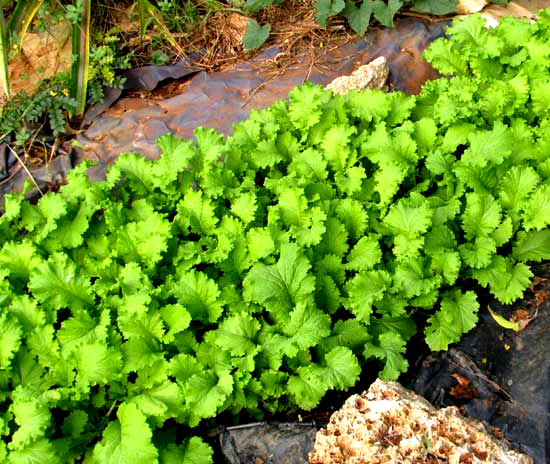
pixel 390 424
pixel 370 76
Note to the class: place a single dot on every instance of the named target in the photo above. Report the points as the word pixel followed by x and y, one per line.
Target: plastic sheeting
pixel 509 372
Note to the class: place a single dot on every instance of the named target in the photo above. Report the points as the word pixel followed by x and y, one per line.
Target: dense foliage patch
pixel 260 271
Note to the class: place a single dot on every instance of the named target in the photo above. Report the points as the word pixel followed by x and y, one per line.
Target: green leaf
pixel 327 8
pixel 365 254
pixel 365 289
pixel 56 283
pixel 481 216
pixel 506 280
pixel 384 12
pixel 127 440
pixel 176 155
pixel 205 392
pixel 537 209
pixel 193 450
pixel 19 259
pixel 75 423
pixel 279 287
pixel 237 334
pixel 32 417
pixel 177 319
pixel 457 315
pixel 342 368
pixel 199 295
pixel 97 364
pixel 307 326
pixel 435 7
pixel 308 387
pixel 358 17
pixel 255 35
pixel 532 246
pixel 389 349
pixel 10 337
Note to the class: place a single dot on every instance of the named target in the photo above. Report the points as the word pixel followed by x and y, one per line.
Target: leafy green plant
pixel 49 105
pixel 106 62
pixel 359 14
pixel 260 271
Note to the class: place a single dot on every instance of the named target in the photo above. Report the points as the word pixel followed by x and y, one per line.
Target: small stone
pixel 470 6
pixel 369 76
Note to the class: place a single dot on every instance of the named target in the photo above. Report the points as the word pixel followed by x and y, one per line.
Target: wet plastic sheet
pixel 268 443
pixel 509 372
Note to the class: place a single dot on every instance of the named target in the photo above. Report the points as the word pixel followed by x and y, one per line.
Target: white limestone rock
pixel 369 76
pixel 390 424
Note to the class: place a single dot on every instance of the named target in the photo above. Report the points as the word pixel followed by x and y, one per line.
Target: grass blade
pixel 142 11
pixel 4 46
pixel 21 18
pixel 157 18
pixel 81 56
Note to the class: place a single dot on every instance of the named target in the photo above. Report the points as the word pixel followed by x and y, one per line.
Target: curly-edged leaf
pixel 27 312
pixel 506 280
pixel 279 287
pixel 97 364
pixel 335 146
pixel 364 290
pixel 176 155
pixel 537 209
pixel 56 283
pixel 205 393
pixel 446 263
pixel 32 417
pixel 532 246
pixel 127 440
pixel 456 316
pixel 481 216
pixel 354 217
pixel 10 338
pixel 389 349
pixel 176 318
pixel 308 387
pixel 478 254
pixel 409 217
pixel 82 329
pixel 260 243
pixel 237 334
pixel 19 259
pixel 193 450
pixel 488 146
pixel 304 109
pixel 516 186
pixel 199 295
pixel 307 325
pixel 342 368
pixel 350 333
pixel 196 214
pixel 136 171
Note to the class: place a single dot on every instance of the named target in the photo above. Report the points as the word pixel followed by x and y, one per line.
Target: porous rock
pixel 390 424
pixel 369 76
